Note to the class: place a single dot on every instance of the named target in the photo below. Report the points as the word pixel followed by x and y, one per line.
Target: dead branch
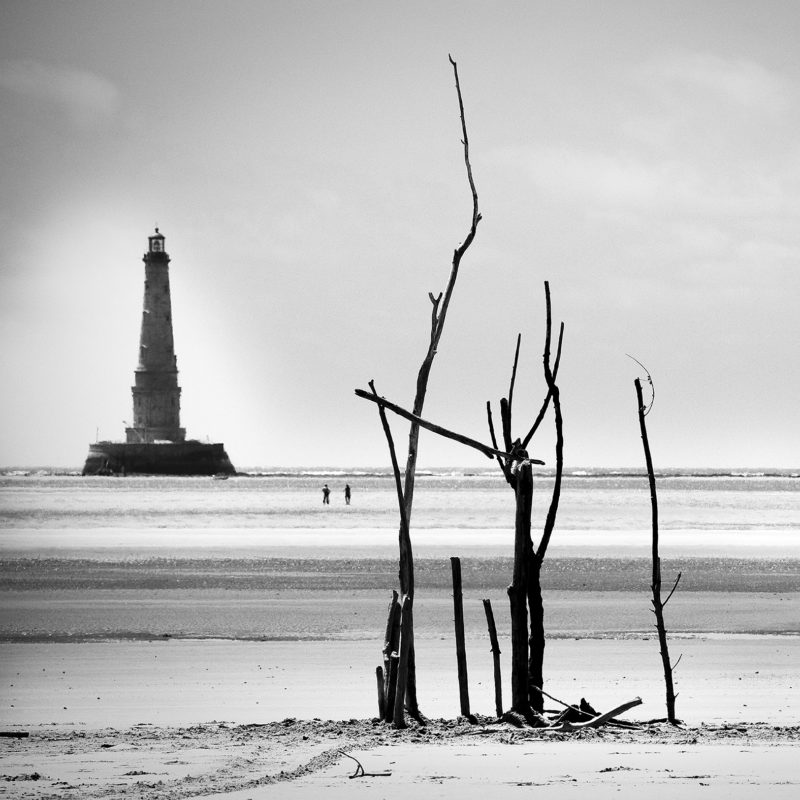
pixel 395 466
pixel 495 649
pixel 562 703
pixel 546 402
pixel 513 375
pixel 500 460
pixel 649 380
pixel 549 373
pixel 672 590
pixel 440 310
pixel 489 452
pixel 440 304
pixel 359 773
pixel 658 605
pixel 566 726
pixel 461 647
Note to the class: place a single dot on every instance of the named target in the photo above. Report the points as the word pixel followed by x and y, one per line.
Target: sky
pixel 304 161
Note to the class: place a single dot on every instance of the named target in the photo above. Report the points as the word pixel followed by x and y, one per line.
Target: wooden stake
pixel 498 686
pixel 461 649
pixel 381 695
pixel 390 644
pixel 517 593
pixel 391 686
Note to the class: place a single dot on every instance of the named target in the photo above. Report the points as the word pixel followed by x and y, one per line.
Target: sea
pixel 260 556
pixel 752 503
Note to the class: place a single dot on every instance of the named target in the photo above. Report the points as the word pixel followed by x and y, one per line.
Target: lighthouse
pixel 155 443
pixel 156 394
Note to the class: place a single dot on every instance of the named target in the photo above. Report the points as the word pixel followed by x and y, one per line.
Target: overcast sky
pixel 303 160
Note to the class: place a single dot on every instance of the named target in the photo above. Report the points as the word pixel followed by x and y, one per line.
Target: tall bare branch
pixel 439 313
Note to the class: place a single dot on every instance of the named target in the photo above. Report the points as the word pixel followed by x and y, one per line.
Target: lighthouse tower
pixel 155 443
pixel 156 394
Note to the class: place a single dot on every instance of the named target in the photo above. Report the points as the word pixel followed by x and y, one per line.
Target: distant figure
pixel 347 494
pixel 326 495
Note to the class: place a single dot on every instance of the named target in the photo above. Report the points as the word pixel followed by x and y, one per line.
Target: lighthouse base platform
pixel 157 458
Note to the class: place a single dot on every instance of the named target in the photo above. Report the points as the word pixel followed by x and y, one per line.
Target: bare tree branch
pixel 674 587
pixel 549 374
pixel 546 402
pixel 658 605
pixel 506 404
pixel 395 466
pixel 647 410
pixel 501 461
pixel 513 375
pixel 489 452
pixel 439 312
pixel 505 421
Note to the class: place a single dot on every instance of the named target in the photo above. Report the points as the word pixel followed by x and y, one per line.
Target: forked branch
pixel 554 393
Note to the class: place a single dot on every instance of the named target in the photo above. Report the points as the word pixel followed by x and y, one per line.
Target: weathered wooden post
pixel 461 649
pixel 406 632
pixel 381 693
pixel 517 591
pixel 498 685
pixel 390 644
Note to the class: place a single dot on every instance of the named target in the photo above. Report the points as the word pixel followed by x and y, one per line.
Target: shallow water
pixel 260 557
pixel 605 502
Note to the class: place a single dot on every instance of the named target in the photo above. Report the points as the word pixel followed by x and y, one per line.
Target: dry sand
pixel 447 759
pixel 188 718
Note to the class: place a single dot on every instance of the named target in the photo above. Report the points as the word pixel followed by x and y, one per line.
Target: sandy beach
pixel 144 656
pixel 179 718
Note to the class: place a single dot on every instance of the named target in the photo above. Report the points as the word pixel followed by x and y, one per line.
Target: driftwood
pixel 440 304
pixel 498 685
pixel 381 693
pixel 658 603
pixel 517 591
pixel 461 648
pixel 383 403
pixel 525 597
pixel 390 644
pixel 406 606
pixel 595 722
pixel 359 773
pixel 579 713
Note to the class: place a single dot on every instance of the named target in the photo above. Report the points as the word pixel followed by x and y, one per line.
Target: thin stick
pixel 658 606
pixel 359 773
pixel 562 703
